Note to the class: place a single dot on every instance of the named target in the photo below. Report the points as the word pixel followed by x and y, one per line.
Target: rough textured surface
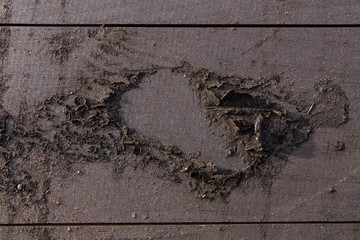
pixel 85 127
pixel 69 145
pixel 179 125
pixel 186 12
pixel 282 104
pixel 181 232
pixel 133 232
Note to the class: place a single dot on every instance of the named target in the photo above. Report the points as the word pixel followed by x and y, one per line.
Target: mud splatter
pixel 263 123
pixel 63 4
pixel 331 104
pixel 110 42
pixel 113 42
pixel 24 178
pixel 5 13
pixel 5 34
pixel 21 185
pixel 339 146
pixel 61 45
pixel 261 128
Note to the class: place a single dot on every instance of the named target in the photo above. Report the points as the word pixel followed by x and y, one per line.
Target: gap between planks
pixel 186 25
pixel 175 223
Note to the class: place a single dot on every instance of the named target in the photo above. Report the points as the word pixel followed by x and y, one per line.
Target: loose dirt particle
pixel 339 146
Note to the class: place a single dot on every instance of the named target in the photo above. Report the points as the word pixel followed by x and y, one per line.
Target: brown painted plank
pixel 318 183
pixel 218 232
pixel 183 12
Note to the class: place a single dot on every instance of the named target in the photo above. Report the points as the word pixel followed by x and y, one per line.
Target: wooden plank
pixel 218 232
pixel 318 183
pixel 184 12
pixel 311 231
pixel 132 232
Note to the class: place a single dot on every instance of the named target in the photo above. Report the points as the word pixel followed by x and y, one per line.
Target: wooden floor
pixel 55 47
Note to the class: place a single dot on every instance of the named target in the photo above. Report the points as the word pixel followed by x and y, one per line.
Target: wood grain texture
pixel 96 192
pixel 184 12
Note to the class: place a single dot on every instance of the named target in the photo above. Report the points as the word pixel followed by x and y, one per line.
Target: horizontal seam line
pixel 186 25
pixel 175 223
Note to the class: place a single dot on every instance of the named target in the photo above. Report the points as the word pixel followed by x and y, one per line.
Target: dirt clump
pixel 339 146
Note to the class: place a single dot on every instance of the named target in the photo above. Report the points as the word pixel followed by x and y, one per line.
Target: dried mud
pixel 63 44
pixel 263 122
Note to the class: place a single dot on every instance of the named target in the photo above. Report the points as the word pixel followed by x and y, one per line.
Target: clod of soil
pixel 339 146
